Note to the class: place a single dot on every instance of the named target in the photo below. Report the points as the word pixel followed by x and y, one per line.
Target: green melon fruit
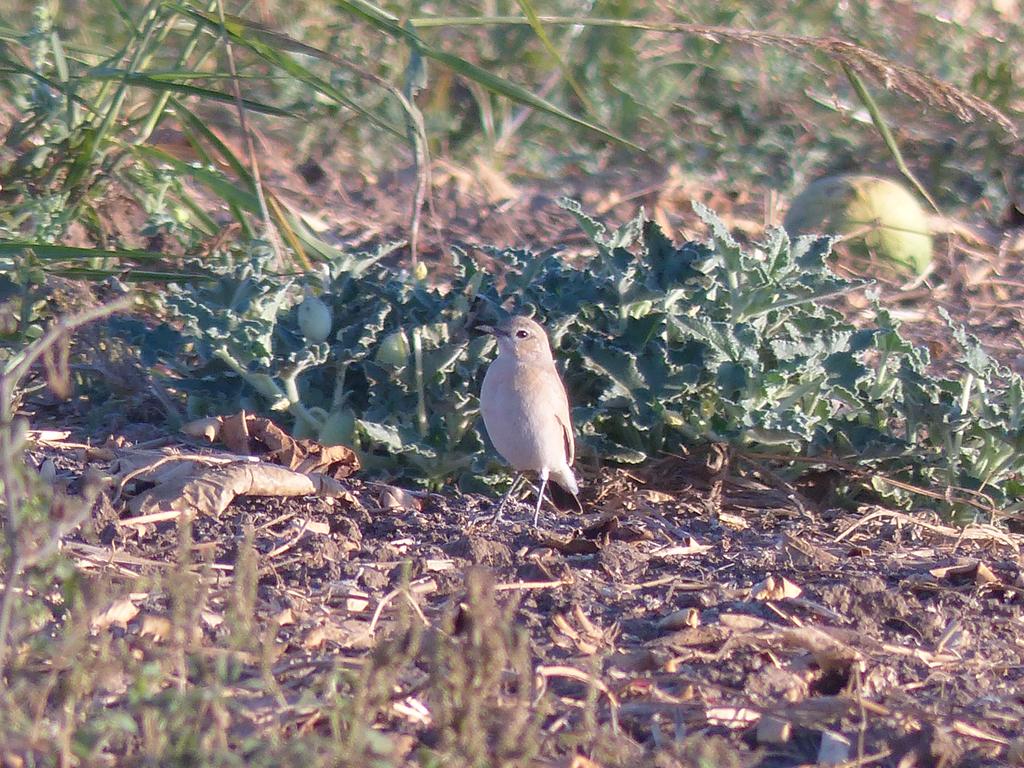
pixel 338 429
pixel 880 216
pixel 393 350
pixel 314 319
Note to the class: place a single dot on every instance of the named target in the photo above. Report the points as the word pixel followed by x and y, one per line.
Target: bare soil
pixel 686 602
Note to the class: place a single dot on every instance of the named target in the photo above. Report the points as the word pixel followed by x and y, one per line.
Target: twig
pixel 516 585
pixel 984 506
pixel 290 543
pixel 969 532
pixel 404 591
pixel 544 672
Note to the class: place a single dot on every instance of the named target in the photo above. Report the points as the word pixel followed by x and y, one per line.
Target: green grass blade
pixel 887 138
pixel 389 24
pixel 199 129
pixel 224 188
pixel 143 80
pixel 130 275
pixel 268 45
pixel 50 252
pixel 542 35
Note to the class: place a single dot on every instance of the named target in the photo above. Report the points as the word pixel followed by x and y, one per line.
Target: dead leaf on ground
pixel 775 588
pixel 977 572
pixel 829 652
pixel 248 435
pixel 120 613
pixel 157 627
pixel 210 491
pixel 208 428
pixel 690 546
pixel 275 445
pixel 396 499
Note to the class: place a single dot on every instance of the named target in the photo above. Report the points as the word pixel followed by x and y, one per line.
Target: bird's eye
pixel 521 334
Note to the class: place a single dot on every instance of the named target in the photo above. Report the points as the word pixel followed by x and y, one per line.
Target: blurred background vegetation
pixel 101 92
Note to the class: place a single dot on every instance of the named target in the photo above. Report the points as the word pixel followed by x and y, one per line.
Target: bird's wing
pixel 570 446
pixel 562 414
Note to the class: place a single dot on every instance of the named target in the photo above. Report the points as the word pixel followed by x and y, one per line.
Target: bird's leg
pixel 540 495
pixel 496 516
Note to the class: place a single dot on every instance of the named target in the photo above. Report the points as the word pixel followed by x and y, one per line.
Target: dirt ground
pixel 687 601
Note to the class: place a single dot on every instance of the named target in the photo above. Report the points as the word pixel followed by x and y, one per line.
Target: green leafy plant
pixel 662 346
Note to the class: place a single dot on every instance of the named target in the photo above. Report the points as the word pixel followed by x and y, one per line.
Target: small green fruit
pixel 314 319
pixel 338 429
pixel 393 350
pixel 880 216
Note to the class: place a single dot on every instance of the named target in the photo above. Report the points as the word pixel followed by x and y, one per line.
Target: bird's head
pixel 520 338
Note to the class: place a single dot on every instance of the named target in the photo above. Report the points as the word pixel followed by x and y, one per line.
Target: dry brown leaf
pixel 735 522
pixel 146 466
pixel 349 633
pixel 212 490
pixel 977 572
pixel 775 588
pixel 741 622
pixel 157 627
pixel 120 612
pixel 396 499
pixel 208 429
pixel 688 617
pixel 234 433
pixel 655 497
pixel 805 552
pixel 248 435
pixel 829 653
pixel 337 461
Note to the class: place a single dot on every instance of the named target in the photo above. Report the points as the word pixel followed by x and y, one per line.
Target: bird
pixel 526 412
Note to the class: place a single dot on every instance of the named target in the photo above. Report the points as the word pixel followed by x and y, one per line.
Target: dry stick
pixel 403 591
pixel 543 672
pixel 250 145
pixel 985 506
pixel 986 533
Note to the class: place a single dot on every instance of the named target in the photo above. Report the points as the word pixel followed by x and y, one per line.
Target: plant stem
pixel 883 130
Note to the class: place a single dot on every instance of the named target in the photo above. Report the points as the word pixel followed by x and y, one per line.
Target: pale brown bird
pixel 526 411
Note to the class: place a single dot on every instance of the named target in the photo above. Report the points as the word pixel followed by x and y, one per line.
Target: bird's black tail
pixel 564 499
